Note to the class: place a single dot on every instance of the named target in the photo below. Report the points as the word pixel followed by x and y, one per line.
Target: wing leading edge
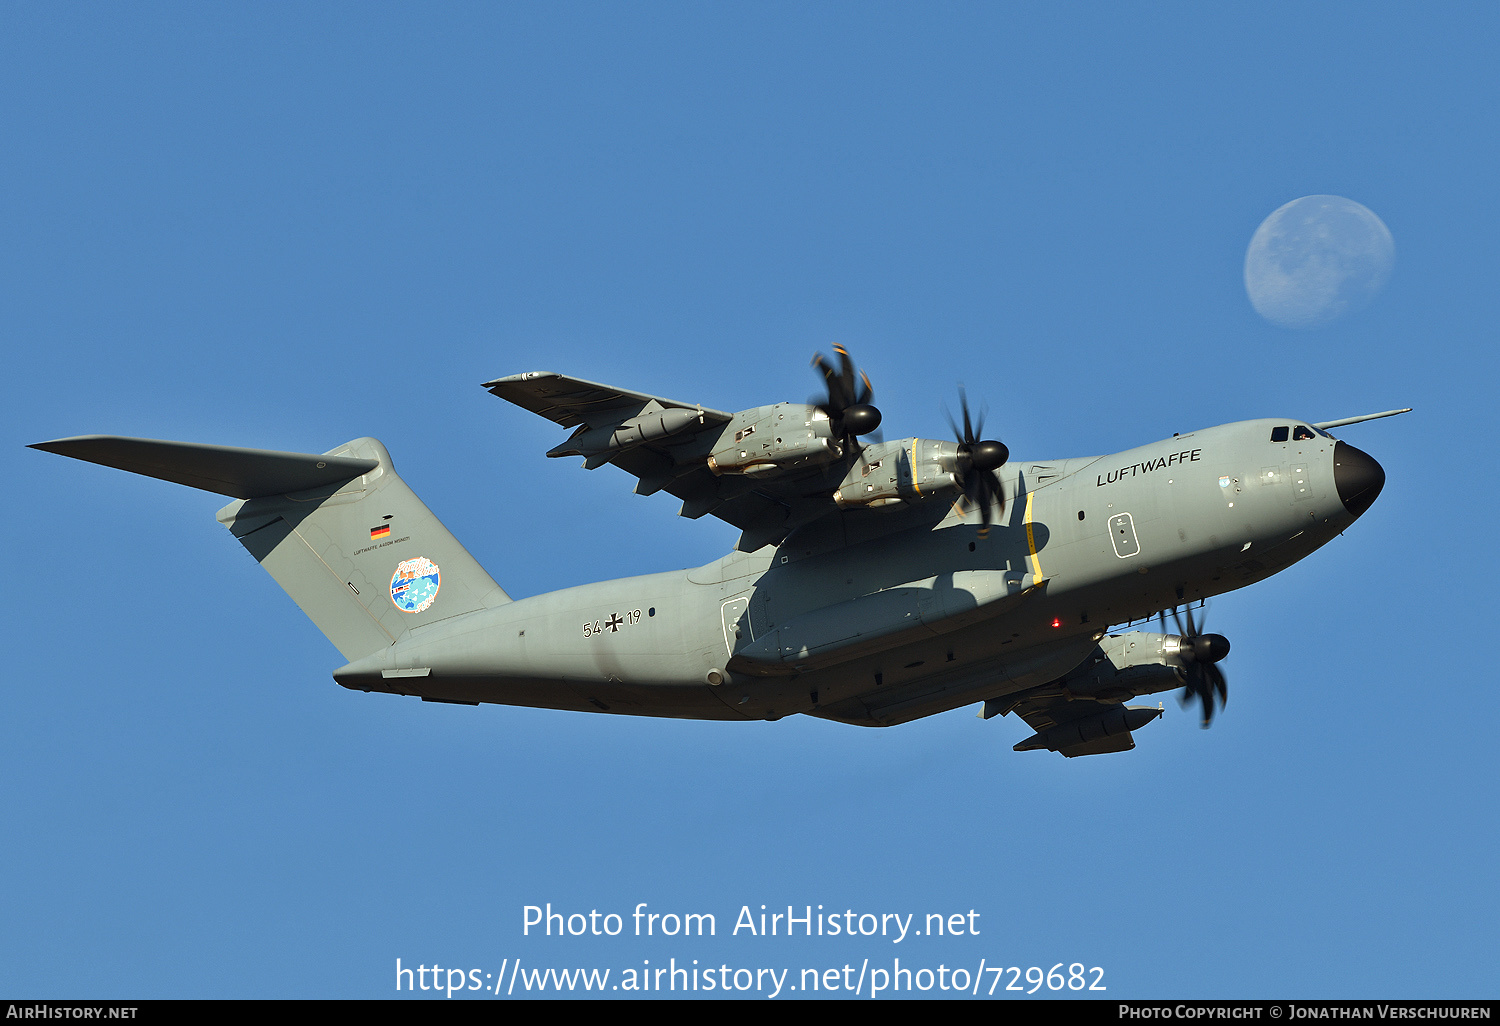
pixel 574 401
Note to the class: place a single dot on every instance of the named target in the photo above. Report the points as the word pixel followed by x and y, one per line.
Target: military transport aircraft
pixel 873 583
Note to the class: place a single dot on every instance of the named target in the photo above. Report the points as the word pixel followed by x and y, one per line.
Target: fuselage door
pixel 1122 534
pixel 737 623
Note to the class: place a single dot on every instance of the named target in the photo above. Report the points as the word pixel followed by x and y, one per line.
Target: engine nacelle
pixel 775 439
pixel 892 472
pixel 1127 665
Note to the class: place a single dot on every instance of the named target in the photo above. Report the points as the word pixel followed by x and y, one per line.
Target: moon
pixel 1317 259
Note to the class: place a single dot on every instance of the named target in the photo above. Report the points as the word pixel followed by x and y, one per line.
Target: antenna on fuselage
pixel 1356 420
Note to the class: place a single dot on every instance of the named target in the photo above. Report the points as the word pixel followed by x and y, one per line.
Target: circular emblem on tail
pixel 415 584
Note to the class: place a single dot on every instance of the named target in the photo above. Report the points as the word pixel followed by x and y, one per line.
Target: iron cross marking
pixel 613 624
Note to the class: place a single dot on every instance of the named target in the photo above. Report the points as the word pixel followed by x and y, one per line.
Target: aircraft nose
pixel 1357 476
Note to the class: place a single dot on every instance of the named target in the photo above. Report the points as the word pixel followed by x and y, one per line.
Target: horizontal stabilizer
pixel 343 535
pixel 241 473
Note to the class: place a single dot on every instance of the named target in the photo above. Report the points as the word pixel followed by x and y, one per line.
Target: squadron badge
pixel 415 584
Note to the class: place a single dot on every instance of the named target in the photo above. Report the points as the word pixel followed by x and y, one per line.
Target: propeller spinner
pixel 978 463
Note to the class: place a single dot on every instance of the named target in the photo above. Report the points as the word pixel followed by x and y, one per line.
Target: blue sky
pixel 285 226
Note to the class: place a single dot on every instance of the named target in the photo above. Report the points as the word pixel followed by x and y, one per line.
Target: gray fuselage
pixel 878 616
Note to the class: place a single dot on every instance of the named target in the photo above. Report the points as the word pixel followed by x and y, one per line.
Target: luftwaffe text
pixel 1160 463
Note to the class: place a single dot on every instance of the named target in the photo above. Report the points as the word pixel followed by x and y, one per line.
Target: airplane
pixel 873 582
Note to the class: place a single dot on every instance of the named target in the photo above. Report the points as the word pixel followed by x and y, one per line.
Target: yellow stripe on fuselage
pixel 1036 563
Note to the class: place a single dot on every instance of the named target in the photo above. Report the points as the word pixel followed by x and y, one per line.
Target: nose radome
pixel 1357 476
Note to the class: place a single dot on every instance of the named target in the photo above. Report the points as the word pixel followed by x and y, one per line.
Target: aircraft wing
pixel 1080 726
pixel 573 401
pixel 665 444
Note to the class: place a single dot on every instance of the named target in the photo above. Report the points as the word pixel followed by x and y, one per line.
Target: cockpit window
pixel 1278 434
pixel 1302 433
pixel 1325 434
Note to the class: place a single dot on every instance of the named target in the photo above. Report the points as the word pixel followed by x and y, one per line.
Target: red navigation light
pixel 1056 621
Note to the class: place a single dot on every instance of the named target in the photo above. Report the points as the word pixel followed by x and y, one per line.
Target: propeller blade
pixel 1220 682
pixel 847 403
pixel 986 501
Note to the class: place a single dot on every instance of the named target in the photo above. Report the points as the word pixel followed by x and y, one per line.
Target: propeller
pixel 978 462
pixel 848 401
pixel 1201 652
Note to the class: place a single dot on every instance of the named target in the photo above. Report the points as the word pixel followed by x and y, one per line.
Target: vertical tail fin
pixel 341 533
pixel 366 560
